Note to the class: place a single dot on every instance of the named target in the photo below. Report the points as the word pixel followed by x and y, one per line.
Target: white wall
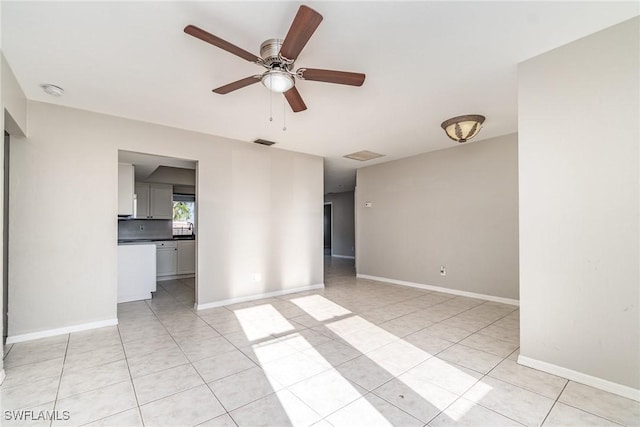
pixel 456 207
pixel 13 108
pixel 260 213
pixel 579 209
pixel 343 239
pixel 13 101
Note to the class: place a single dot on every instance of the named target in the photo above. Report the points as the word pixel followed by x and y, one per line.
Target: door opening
pixel 328 229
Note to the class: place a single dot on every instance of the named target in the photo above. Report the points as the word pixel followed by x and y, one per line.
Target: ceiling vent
pixel 363 156
pixel 264 142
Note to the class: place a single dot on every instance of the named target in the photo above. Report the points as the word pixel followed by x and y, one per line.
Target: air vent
pixel 363 156
pixel 264 142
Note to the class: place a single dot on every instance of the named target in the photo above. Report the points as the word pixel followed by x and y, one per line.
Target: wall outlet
pixel 368 204
pixel 256 277
pixel 443 270
pixel 141 227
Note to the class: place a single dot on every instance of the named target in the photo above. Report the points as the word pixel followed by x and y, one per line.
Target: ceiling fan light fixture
pixel 277 81
pixel 463 128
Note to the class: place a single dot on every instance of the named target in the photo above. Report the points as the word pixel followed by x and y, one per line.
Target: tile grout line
pixel 55 402
pixel 554 403
pixel 190 363
pixel 133 385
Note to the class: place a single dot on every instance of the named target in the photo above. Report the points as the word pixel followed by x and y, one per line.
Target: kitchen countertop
pixel 174 239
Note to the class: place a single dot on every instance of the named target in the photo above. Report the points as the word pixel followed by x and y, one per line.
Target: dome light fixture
pixel 277 80
pixel 52 90
pixel 463 128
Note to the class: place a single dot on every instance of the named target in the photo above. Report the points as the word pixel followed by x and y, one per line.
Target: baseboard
pixel 2 376
pixel 131 298
pixel 440 289
pixel 61 331
pixel 343 256
pixel 175 277
pixel 258 296
pixel 579 377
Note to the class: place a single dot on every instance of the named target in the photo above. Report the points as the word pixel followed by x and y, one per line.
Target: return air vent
pixel 363 156
pixel 264 142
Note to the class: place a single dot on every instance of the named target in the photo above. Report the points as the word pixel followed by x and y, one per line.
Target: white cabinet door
pixel 186 257
pixel 125 189
pixel 166 261
pixel 161 201
pixel 142 200
pixel 154 201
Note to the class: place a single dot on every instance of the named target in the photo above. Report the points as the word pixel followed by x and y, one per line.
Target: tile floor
pixel 358 353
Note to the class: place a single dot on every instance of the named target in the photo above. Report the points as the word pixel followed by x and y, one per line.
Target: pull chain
pixel 270 105
pixel 284 114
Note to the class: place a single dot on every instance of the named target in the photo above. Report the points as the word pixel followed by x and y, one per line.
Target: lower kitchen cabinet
pixel 186 257
pixel 166 258
pixel 175 257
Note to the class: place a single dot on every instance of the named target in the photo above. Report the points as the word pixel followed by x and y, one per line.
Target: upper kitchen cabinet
pixel 154 201
pixel 125 189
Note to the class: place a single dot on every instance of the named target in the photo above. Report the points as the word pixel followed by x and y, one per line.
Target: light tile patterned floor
pixel 358 353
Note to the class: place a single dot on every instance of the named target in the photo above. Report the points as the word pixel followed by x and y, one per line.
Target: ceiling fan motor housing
pixel 270 54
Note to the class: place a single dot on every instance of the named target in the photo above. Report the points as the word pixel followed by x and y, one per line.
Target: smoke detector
pixel 52 90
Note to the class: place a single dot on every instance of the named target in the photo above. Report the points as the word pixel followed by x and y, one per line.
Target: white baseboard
pixel 130 298
pixel 2 376
pixel 61 331
pixel 343 256
pixel 258 296
pixel 579 377
pixel 175 277
pixel 440 289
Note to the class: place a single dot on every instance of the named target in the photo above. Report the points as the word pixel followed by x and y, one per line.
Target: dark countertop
pixel 174 239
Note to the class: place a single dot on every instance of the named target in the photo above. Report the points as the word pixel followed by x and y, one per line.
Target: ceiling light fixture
pixel 277 80
pixel 463 128
pixel 52 90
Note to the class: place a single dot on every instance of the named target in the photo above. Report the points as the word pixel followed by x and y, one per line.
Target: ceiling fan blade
pixel 301 30
pixel 194 31
pixel 222 90
pixel 330 76
pixel 295 100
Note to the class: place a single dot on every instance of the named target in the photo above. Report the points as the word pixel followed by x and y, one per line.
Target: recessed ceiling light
pixel 53 90
pixel 363 156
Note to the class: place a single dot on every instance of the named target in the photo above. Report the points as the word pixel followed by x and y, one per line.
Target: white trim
pixel 439 289
pixel 175 277
pixel 343 256
pixel 130 298
pixel 257 296
pixel 61 331
pixel 570 374
pixel 2 376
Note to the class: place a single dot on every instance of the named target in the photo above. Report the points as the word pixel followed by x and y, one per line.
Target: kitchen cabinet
pixel 166 258
pixel 186 257
pixel 125 189
pixel 154 201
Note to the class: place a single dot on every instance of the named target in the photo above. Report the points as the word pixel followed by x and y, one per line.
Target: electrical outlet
pixel 141 227
pixel 443 270
pixel 257 277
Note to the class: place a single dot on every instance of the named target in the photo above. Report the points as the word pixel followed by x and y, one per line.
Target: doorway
pixel 328 229
pixel 165 215
pixel 5 243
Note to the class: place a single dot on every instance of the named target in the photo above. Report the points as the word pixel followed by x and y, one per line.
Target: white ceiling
pixel 146 164
pixel 424 61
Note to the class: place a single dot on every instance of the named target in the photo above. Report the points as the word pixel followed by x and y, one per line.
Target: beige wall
pixel 456 207
pixel 13 101
pixel 13 109
pixel 343 239
pixel 579 208
pixel 259 210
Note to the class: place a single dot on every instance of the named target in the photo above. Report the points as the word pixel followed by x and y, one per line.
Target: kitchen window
pixel 184 208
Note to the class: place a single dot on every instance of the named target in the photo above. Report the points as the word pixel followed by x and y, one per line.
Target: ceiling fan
pixel 278 56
